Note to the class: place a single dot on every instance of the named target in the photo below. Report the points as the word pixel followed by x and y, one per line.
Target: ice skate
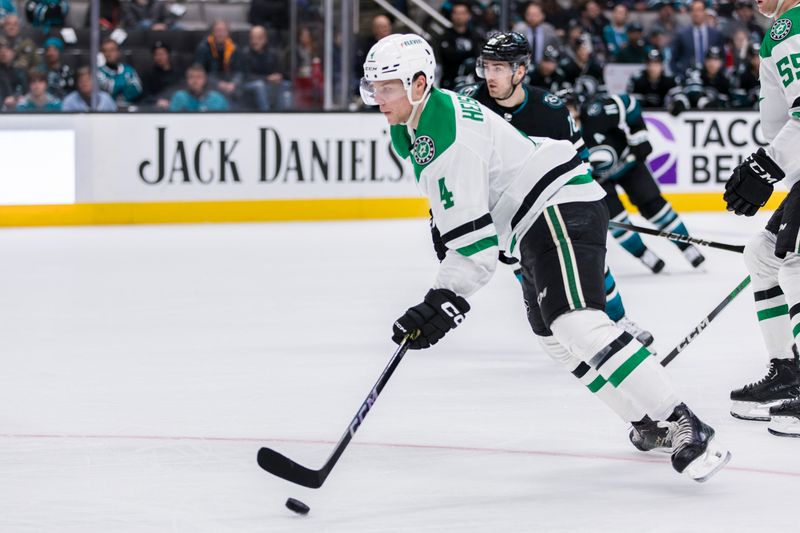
pixel 695 450
pixel 652 261
pixel 785 419
pixel 649 435
pixel 753 401
pixel 639 333
pixel 693 255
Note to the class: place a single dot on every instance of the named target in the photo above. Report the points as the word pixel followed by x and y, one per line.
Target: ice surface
pixel 144 366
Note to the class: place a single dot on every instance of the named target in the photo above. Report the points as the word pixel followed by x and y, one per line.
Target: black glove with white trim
pixel 441 311
pixel 751 184
pixel 641 151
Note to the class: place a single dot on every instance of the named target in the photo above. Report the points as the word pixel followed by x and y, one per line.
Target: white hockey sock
pixel 615 399
pixel 619 359
pixel 772 309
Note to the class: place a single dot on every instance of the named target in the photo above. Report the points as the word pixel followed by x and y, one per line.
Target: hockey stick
pixel 283 467
pixel 676 236
pixel 705 322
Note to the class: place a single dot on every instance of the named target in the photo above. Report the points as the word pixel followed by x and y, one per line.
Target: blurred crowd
pixel 156 57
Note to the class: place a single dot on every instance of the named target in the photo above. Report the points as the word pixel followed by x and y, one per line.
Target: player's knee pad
pixel 760 260
pixel 556 350
pixel 584 332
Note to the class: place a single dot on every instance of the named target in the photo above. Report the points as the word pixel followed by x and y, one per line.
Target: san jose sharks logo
pixel 423 150
pixel 780 29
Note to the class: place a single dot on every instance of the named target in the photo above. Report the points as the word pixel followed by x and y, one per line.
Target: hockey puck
pixel 297 506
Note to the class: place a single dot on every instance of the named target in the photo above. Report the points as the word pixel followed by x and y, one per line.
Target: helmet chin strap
pixel 776 10
pixel 416 105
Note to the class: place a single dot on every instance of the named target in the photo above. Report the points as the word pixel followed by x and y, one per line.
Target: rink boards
pixel 160 168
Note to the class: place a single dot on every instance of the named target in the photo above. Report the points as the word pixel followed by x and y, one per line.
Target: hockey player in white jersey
pixel 492 189
pixel 773 257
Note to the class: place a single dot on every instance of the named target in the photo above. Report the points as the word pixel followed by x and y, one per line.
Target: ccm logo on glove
pixel 429 321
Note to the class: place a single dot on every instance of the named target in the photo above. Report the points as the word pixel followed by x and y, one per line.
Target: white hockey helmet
pixel 398 57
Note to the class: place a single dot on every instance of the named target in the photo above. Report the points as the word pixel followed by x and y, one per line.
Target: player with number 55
pixel 773 256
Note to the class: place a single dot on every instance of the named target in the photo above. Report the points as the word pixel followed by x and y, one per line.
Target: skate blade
pixel 784 426
pixel 753 410
pixel 708 464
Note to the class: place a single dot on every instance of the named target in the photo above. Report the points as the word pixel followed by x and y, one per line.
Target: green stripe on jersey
pixel 476 247
pixel 625 369
pixel 772 312
pixel 796 330
pixel 580 180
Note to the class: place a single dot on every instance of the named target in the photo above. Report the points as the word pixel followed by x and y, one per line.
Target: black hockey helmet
pixel 507 46
pixel 655 56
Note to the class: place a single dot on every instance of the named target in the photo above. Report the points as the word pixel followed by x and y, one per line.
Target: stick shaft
pixel 705 322
pixel 676 237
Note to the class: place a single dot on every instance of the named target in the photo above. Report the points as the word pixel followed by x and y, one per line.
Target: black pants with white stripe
pixel 563 258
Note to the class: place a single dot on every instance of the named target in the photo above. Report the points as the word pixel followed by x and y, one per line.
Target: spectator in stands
pixel 745 86
pixel 651 85
pixel 582 63
pixel 81 98
pixel 667 19
pixel 615 35
pixel 110 15
pixel 265 75
pixel 658 40
pixel 739 48
pixel 691 44
pixel 309 78
pixel 12 79
pixel 743 18
pixel 714 76
pixel 24 47
pixel 635 52
pixel 458 45
pixel 46 14
pixel 7 7
pixel 60 79
pixel 272 14
pixel 380 28
pixel 118 79
pixel 547 74
pixel 197 96
pixel 147 15
pixel 221 60
pixel 593 20
pixel 557 15
pixel 163 78
pixel 540 34
pixel 38 99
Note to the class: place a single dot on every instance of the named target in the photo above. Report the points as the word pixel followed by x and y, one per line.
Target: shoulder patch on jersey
pixel 595 109
pixel 423 150
pixel 553 101
pixel 780 29
pixel 469 90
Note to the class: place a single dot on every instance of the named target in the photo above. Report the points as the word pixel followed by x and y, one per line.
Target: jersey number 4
pixel 445 195
pixel 785 70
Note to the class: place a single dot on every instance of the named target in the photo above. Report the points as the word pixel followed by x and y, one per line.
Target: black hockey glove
pixel 438 243
pixel 441 311
pixel 751 183
pixel 789 227
pixel 641 151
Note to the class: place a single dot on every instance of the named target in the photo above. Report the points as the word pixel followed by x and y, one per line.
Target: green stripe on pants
pixel 772 312
pixel 569 265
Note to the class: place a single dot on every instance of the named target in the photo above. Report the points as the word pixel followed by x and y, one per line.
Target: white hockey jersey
pixel 486 183
pixel 780 93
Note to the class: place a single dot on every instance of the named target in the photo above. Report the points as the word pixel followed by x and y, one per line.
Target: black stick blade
pixel 283 467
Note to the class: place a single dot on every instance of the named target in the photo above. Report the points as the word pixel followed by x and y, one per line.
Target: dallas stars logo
pixel 780 29
pixel 423 150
